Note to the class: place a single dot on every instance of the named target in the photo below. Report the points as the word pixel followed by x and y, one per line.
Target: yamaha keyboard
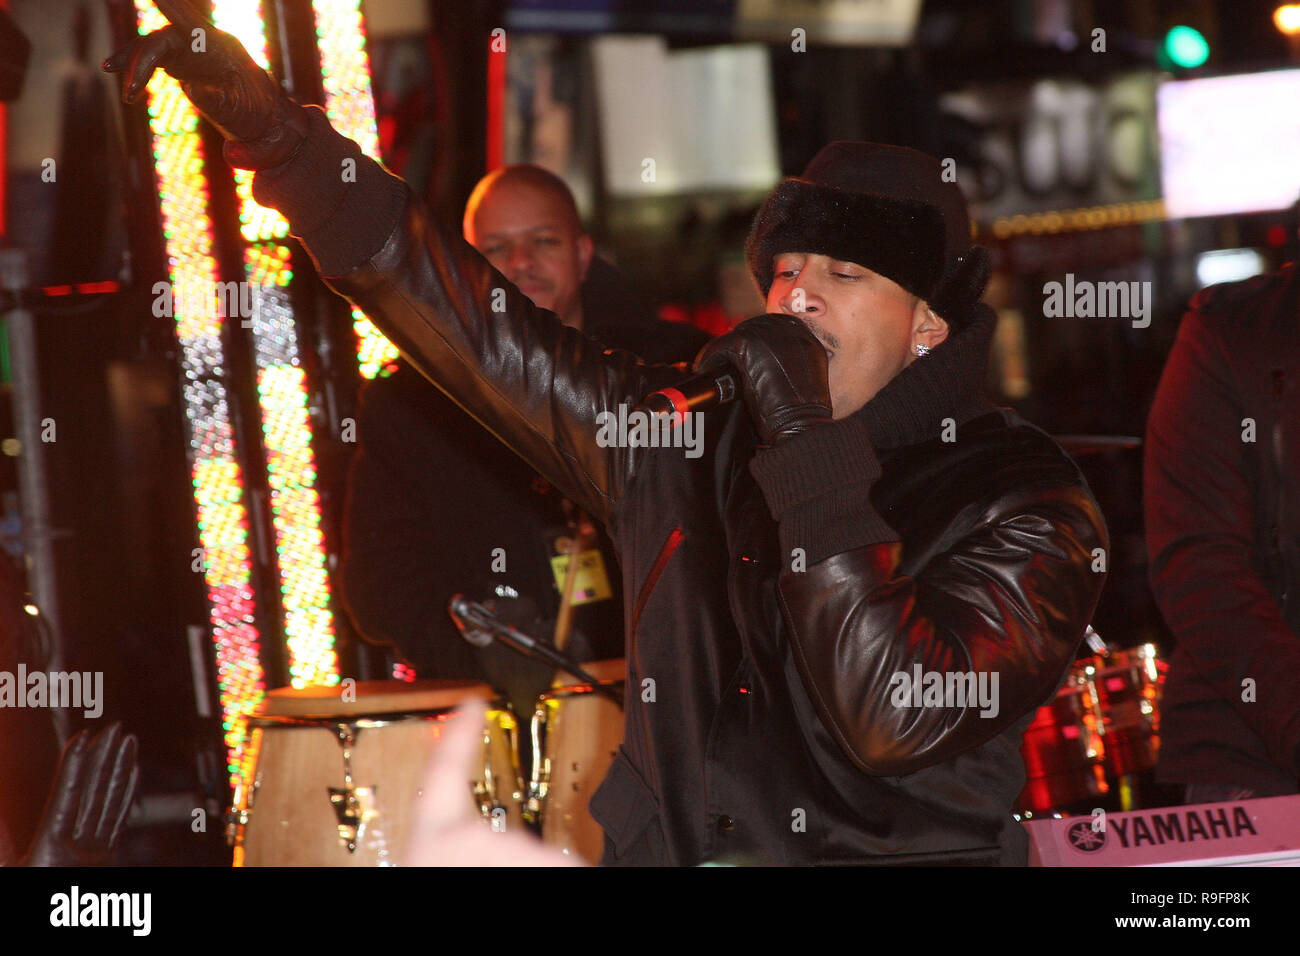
pixel 1262 832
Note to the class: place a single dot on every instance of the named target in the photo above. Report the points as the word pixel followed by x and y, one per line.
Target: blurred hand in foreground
pixel 447 830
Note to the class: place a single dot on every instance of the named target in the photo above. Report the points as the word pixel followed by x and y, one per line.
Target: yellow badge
pixel 591 582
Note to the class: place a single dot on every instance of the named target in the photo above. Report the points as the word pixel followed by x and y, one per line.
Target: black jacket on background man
pixel 432 495
pixel 759 723
pixel 1222 502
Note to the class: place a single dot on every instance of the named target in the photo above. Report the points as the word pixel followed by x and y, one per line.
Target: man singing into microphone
pixel 843 614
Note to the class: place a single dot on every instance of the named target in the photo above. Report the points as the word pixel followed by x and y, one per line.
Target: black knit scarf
pixel 947 383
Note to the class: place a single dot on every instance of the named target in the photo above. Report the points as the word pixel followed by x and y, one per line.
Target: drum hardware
pixel 236 822
pixel 245 793
pixel 1094 641
pixel 1127 687
pixel 354 806
pixel 486 789
pixel 1076 445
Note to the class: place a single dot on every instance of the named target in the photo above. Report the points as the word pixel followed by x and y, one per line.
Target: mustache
pixel 825 338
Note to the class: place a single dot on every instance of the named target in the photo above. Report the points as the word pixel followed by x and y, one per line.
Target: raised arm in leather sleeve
pixel 1200 536
pixel 1013 598
pixel 537 384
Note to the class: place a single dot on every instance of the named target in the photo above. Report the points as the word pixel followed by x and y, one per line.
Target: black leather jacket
pixel 430 497
pixel 759 723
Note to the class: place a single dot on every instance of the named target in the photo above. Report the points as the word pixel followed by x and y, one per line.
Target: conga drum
pixel 576 731
pixel 334 773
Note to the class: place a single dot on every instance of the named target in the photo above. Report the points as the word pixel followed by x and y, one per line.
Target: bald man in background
pixel 437 506
pixel 525 222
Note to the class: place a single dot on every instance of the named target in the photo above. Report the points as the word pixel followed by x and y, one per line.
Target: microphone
pixel 460 612
pixel 480 627
pixel 695 393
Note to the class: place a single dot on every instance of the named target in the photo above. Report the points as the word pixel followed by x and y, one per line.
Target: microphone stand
pixel 480 627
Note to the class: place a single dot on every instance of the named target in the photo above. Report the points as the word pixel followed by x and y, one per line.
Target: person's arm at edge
pixel 1200 539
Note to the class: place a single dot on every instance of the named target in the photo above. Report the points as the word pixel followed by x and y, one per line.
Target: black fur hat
pixel 884 207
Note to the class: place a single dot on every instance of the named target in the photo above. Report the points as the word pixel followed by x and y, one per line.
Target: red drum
pixel 1062 750
pixel 1127 686
pixel 1103 727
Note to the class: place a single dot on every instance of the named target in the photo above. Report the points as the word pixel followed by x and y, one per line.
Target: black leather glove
pixel 89 800
pixel 782 374
pixel 262 124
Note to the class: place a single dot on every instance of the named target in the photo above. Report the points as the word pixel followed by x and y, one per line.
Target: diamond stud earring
pixel 922 350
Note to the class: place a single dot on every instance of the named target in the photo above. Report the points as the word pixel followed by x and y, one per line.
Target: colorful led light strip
pixel 350 105
pixel 283 397
pixel 218 485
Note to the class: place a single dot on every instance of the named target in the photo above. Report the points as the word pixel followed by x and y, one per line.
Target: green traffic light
pixel 1186 47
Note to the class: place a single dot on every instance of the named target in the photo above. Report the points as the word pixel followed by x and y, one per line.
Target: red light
pixel 1276 236
pixel 81 288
